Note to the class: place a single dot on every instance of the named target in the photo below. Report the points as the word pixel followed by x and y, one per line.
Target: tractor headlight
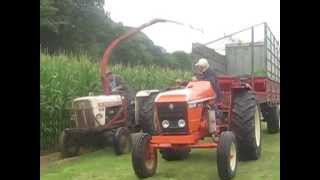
pixel 165 124
pixel 181 123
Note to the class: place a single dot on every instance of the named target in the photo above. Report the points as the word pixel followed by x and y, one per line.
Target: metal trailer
pixel 257 63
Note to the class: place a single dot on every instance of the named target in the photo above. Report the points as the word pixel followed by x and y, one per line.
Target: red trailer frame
pixel 267 90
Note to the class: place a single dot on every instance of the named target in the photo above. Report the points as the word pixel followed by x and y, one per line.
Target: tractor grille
pixel 85 118
pixel 172 115
pixel 84 114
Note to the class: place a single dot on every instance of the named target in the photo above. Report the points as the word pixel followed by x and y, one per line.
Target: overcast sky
pixel 215 17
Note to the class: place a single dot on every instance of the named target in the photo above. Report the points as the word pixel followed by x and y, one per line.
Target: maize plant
pixel 63 78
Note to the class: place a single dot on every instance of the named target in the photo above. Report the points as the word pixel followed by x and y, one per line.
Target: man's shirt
pixel 210 75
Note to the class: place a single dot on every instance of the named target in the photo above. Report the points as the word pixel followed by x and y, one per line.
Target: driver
pixel 117 86
pixel 206 74
pixel 115 81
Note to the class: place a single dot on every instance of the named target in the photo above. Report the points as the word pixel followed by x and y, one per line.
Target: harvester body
pixel 104 119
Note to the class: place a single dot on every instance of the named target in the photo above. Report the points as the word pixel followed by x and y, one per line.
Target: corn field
pixel 63 78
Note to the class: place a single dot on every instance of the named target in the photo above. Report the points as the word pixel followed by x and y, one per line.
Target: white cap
pixel 203 63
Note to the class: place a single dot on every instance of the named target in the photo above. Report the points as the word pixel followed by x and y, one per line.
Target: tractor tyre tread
pixel 64 143
pixel 146 115
pixel 138 159
pixel 243 125
pixel 119 148
pixel 223 160
pixel 273 121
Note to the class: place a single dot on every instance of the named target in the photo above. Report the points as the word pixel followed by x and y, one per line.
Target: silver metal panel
pixel 238 58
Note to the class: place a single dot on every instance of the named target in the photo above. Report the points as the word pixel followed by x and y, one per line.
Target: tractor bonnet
pixel 194 91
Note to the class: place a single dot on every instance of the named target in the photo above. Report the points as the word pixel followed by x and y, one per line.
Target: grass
pixel 201 165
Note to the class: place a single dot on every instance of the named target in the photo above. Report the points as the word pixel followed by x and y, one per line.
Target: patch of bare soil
pixel 45 160
pixel 48 159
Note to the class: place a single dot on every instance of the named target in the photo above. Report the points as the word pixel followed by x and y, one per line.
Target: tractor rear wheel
pixel 246 125
pixel 68 145
pixel 175 154
pixel 144 158
pixel 122 141
pixel 146 115
pixel 227 159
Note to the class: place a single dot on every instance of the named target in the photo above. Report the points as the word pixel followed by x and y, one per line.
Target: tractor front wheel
pixel 144 158
pixel 122 141
pixel 227 159
pixel 68 145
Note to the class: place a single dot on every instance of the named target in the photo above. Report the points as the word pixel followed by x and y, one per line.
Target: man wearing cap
pixel 206 74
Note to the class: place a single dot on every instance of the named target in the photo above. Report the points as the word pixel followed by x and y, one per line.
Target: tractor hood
pixel 107 101
pixel 195 91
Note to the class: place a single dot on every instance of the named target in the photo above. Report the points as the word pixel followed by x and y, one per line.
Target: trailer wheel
pixel 273 120
pixel 271 114
pixel 68 145
pixel 144 159
pixel 147 115
pixel 278 108
pixel 227 159
pixel 122 141
pixel 175 154
pixel 246 125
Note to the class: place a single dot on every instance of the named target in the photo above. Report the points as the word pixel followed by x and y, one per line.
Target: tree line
pixel 82 26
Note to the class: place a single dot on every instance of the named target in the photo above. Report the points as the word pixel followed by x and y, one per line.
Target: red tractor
pixel 181 118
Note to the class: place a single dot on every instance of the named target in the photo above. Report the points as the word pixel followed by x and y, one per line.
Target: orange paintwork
pixel 194 117
pixel 198 145
pixel 174 139
pixel 172 98
pixel 200 90
pixel 195 90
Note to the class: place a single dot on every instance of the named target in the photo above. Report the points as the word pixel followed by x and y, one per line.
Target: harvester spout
pixel 114 44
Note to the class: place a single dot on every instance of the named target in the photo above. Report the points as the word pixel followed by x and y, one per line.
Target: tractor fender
pixel 146 93
pixel 139 100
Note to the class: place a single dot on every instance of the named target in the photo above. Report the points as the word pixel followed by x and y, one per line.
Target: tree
pixel 181 60
pixel 82 26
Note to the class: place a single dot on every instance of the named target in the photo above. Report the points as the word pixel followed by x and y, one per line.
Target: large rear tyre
pixel 246 125
pixel 227 159
pixel 146 115
pixel 122 141
pixel 69 147
pixel 175 154
pixel 144 158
